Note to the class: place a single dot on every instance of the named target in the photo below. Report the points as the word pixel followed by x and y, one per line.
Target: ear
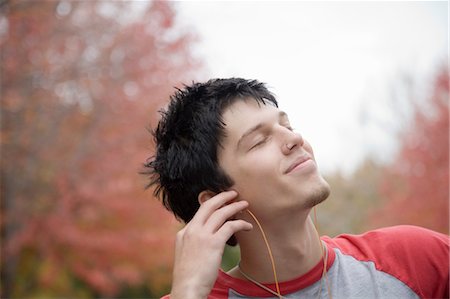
pixel 204 196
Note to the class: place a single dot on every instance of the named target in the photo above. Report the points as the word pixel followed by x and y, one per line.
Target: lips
pixel 297 162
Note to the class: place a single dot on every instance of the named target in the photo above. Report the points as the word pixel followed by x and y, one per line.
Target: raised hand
pixel 200 244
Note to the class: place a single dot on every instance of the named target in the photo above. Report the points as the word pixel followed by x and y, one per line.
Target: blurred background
pixel 82 82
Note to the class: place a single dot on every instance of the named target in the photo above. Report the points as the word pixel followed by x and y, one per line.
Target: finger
pixel 231 227
pixel 218 217
pixel 208 207
pixel 179 237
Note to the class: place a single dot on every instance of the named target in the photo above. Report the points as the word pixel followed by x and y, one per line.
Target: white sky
pixel 325 61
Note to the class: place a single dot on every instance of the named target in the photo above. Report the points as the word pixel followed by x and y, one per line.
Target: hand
pixel 200 244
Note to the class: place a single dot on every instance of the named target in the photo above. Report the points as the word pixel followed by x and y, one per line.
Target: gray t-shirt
pixel 395 262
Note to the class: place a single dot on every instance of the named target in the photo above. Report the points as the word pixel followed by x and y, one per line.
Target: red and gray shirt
pixel 395 262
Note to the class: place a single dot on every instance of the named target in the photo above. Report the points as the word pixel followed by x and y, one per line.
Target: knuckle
pixel 236 225
pixel 193 234
pixel 187 233
pixel 209 203
pixel 180 234
pixel 230 226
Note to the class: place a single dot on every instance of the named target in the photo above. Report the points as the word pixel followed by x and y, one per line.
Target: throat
pixel 294 254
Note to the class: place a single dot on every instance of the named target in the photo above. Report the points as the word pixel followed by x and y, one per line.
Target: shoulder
pixel 396 239
pixel 417 256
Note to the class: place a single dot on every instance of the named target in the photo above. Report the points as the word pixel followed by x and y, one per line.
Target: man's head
pixel 230 133
pixel 188 137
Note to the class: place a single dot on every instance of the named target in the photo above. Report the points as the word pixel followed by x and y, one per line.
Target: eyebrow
pixel 256 128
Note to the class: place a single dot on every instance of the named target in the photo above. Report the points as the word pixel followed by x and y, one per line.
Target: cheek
pixel 250 175
pixel 257 165
pixel 256 176
pixel 308 148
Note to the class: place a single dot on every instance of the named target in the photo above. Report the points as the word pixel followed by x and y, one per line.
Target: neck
pixel 294 241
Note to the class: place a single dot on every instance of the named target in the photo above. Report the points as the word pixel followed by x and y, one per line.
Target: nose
pixel 292 140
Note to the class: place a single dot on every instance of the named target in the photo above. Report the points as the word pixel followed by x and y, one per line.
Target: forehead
pixel 243 114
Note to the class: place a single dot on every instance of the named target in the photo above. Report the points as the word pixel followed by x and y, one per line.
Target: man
pixel 229 164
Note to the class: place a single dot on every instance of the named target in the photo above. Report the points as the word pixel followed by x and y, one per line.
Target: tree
pixel 80 82
pixel 416 186
pixel 352 199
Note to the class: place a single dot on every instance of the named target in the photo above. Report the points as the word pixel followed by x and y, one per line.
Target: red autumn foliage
pixel 80 85
pixel 416 186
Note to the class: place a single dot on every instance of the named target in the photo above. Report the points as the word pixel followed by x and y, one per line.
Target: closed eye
pixel 288 126
pixel 259 143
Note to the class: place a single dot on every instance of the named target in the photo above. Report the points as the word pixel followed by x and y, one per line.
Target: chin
pixel 318 194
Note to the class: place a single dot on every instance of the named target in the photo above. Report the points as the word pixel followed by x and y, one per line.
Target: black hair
pixel 187 138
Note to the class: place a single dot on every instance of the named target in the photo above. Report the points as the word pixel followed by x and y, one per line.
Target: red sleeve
pixel 417 256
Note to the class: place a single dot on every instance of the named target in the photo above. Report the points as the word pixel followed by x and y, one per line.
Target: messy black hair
pixel 187 138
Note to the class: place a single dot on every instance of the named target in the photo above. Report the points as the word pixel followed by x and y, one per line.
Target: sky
pixel 334 66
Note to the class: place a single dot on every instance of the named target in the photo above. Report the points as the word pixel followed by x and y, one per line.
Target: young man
pixel 229 164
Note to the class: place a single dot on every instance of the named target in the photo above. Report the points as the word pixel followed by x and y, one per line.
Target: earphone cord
pixel 278 292
pixel 270 254
pixel 325 260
